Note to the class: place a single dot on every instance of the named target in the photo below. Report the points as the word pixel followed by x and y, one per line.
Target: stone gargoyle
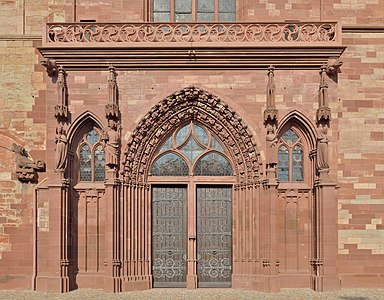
pixel 26 168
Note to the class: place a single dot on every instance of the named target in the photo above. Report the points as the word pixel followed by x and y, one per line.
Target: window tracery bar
pixel 104 33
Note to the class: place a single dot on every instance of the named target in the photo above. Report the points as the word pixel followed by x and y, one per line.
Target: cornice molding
pixel 198 58
pixel 20 37
pixel 362 29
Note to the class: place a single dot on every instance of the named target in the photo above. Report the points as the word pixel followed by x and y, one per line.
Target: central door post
pixel 191 272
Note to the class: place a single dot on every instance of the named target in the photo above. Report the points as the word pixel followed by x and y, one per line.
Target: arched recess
pixel 194 105
pixel 296 200
pixel 87 201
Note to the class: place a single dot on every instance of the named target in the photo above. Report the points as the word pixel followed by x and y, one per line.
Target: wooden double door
pixel 192 235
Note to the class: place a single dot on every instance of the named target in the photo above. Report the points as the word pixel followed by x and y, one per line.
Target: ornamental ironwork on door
pixel 169 236
pixel 214 238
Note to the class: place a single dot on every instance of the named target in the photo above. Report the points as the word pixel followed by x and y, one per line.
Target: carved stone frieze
pixel 191 104
pixel 91 33
pixel 26 168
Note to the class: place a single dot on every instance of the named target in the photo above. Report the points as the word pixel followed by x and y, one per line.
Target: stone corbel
pixel 26 168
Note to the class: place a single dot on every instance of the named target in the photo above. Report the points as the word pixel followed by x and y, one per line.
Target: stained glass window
pixel 290 157
pixel 189 151
pixel 182 135
pixel 91 157
pixel 192 150
pixel 297 164
pixel 201 135
pixel 213 164
pixel 85 163
pixel 283 164
pixel 170 164
pixel 290 137
pixel 167 145
pixel 194 10
pixel 99 161
pixel 216 145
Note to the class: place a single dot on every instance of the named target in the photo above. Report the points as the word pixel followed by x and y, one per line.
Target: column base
pixel 325 283
pixel 191 282
pixel 52 284
pixel 133 283
pixel 262 283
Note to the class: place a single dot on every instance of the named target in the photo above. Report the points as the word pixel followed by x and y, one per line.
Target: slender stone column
pixel 324 273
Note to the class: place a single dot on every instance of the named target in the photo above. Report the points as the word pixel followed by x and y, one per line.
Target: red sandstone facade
pixel 245 153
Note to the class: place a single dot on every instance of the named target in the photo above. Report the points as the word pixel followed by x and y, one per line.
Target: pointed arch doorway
pixel 191 185
pixel 191 165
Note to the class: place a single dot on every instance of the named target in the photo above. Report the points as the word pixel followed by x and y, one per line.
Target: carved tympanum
pixel 26 168
pixel 191 104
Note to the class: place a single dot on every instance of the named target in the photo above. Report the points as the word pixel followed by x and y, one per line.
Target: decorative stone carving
pixel 323 88
pixel 210 111
pixel 112 144
pixel 26 168
pixel 61 150
pixel 333 65
pixel 271 144
pixel 61 109
pixel 323 117
pixel 117 33
pixel 322 149
pixel 112 108
pixel 50 65
pixel 271 122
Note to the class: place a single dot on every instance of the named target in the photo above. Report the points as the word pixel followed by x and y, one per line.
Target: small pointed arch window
pixel 191 150
pixel 91 157
pixel 290 167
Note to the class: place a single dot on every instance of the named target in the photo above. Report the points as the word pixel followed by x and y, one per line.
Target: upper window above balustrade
pixel 193 10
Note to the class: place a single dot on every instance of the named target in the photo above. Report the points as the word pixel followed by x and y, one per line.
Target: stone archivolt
pixel 192 104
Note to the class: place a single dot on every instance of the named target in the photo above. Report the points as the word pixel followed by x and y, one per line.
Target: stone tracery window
pixel 91 157
pixel 290 157
pixel 193 10
pixel 192 149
